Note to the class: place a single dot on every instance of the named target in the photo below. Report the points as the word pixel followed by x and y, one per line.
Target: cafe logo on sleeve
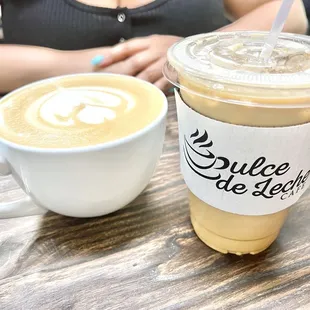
pixel 197 152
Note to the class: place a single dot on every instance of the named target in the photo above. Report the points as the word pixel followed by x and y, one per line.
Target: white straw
pixel 276 29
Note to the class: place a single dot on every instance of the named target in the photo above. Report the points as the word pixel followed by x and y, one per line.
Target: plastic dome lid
pixel 233 58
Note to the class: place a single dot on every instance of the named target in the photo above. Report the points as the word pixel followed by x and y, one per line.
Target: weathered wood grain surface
pixel 146 256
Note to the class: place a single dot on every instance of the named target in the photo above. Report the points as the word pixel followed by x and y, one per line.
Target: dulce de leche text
pixel 270 178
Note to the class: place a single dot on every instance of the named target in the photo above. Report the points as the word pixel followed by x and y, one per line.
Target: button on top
pixel 121 17
pixel 121 40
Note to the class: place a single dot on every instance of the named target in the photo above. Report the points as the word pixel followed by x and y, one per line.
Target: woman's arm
pixel 20 65
pixel 259 15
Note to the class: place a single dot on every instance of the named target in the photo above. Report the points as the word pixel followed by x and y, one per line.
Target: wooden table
pixel 146 256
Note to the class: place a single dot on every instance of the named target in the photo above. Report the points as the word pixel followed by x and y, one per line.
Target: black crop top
pixel 71 25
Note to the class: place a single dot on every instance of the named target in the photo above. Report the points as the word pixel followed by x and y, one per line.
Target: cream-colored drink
pixel 78 111
pixel 244 134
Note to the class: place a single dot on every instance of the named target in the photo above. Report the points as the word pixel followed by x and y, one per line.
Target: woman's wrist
pixel 69 62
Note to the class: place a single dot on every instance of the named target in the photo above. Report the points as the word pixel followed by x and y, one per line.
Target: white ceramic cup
pixel 86 181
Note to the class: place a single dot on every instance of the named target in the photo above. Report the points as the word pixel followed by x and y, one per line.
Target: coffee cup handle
pixel 19 208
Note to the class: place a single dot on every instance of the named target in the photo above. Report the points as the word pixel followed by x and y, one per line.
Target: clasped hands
pixel 142 57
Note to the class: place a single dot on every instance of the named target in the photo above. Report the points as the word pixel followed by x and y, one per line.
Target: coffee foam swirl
pixel 78 107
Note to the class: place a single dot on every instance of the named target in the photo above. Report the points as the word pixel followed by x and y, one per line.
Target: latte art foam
pixel 77 106
pixel 78 112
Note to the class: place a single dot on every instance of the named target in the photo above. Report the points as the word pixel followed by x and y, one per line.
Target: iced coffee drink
pixel 244 128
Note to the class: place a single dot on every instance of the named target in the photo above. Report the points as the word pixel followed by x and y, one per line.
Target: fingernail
pixel 97 60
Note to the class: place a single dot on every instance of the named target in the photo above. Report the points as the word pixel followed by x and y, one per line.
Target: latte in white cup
pixel 81 145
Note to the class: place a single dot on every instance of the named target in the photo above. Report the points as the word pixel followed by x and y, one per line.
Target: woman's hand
pixel 141 57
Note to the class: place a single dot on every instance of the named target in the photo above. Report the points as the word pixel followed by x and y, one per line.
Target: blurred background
pixel 306 4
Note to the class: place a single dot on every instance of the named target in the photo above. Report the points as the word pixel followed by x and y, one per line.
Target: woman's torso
pixel 72 25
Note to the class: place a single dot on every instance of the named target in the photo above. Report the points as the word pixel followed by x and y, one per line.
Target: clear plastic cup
pixel 250 112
